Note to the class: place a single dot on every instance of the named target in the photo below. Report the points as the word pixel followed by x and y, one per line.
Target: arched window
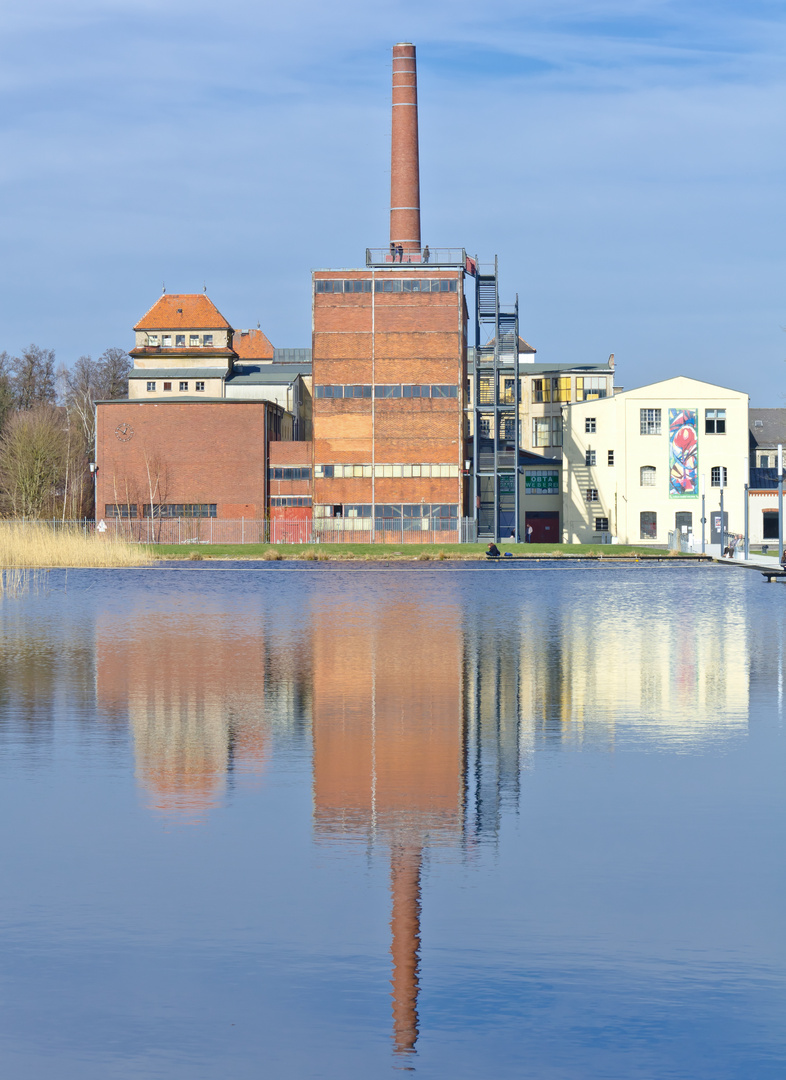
pixel 715 476
pixel 647 475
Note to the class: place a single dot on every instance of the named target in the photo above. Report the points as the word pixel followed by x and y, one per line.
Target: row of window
pixel 329 472
pixel 590 457
pixel 389 511
pixel 648 473
pixel 289 473
pixel 714 421
pixel 183 384
pixel 395 390
pixel 161 510
pixel 291 500
pixel 194 340
pixel 411 285
pixel 588 388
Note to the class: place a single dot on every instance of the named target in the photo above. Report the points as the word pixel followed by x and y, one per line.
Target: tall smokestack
pixel 404 164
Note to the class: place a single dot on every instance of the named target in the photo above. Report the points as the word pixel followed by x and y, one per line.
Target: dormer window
pixel 152 339
pixel 207 339
pixel 166 341
pixel 194 341
pixel 180 340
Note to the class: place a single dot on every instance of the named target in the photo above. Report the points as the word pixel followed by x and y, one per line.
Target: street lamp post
pixel 703 517
pixel 722 530
pixel 746 548
pixel 780 503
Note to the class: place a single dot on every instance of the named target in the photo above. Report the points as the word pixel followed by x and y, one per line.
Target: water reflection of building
pixel 415 745
pixel 631 668
pixel 202 701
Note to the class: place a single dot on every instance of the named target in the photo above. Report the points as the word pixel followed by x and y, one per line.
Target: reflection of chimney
pixel 405 943
pixel 404 166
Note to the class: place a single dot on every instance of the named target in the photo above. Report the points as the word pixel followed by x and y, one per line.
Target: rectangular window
pixel 715 476
pixel 387 391
pixel 152 339
pixel 167 385
pixel 179 510
pixel 648 525
pixel 444 391
pixel 193 340
pixel 183 386
pixel 764 461
pixel 286 473
pixel 589 457
pixel 207 339
pixel 199 386
pixel 508 395
pixel 151 386
pixel 120 510
pixel 541 431
pixel 591 495
pixel 541 390
pixel 560 389
pixel 290 500
pixel 715 421
pixel 180 340
pixel 610 457
pixel 589 388
pixel 650 421
pixel 648 476
pixel 166 341
pixel 556 431
pixel 601 524
pixel 589 425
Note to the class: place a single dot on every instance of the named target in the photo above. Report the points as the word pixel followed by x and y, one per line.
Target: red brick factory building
pixel 365 436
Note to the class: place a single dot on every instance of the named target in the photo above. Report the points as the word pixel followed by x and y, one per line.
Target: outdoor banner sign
pixel 542 483
pixel 683 454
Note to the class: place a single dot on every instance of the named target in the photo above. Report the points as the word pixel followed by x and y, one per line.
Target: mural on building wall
pixel 683 454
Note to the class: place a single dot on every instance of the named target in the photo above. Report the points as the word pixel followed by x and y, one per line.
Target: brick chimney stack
pixel 404 164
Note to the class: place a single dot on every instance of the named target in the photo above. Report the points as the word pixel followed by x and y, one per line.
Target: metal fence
pixel 255 531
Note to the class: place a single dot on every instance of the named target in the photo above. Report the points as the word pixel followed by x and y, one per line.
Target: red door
pixel 545 528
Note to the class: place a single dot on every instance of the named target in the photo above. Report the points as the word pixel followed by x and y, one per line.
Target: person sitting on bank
pixel 492 549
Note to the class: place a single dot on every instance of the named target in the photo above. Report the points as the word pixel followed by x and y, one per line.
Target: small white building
pixel 634 464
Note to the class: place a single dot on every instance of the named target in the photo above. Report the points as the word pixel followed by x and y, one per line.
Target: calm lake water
pixel 317 822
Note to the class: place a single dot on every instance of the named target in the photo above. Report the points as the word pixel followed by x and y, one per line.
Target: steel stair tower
pixel 497 388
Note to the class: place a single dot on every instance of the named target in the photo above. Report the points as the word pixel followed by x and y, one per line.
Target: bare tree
pixel 33 453
pixel 32 377
pixel 6 390
pixel 114 366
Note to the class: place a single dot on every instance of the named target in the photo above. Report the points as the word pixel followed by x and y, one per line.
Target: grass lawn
pixel 404 552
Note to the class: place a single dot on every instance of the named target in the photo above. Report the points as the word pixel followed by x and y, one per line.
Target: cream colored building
pixel 634 464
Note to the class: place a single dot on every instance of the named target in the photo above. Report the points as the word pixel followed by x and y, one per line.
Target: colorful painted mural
pixel 683 454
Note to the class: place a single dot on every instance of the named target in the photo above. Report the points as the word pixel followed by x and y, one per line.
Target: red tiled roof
pixel 252 345
pixel 183 311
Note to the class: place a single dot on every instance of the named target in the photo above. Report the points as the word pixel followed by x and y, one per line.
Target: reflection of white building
pixel 609 676
pixel 633 464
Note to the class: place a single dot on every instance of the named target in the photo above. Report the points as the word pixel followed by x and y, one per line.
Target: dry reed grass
pixel 30 545
pixel 271 555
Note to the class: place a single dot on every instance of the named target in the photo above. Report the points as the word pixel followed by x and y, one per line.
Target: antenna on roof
pixel 258 325
pixel 204 287
pixel 163 288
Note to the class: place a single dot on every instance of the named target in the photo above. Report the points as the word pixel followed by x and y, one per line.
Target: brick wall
pixel 375 338
pixel 188 452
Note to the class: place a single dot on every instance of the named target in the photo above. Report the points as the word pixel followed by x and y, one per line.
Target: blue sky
pixel 625 160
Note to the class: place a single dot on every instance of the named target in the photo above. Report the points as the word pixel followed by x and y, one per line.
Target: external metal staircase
pixel 497 389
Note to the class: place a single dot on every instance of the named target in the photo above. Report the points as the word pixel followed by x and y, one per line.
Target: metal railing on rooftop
pixel 425 256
